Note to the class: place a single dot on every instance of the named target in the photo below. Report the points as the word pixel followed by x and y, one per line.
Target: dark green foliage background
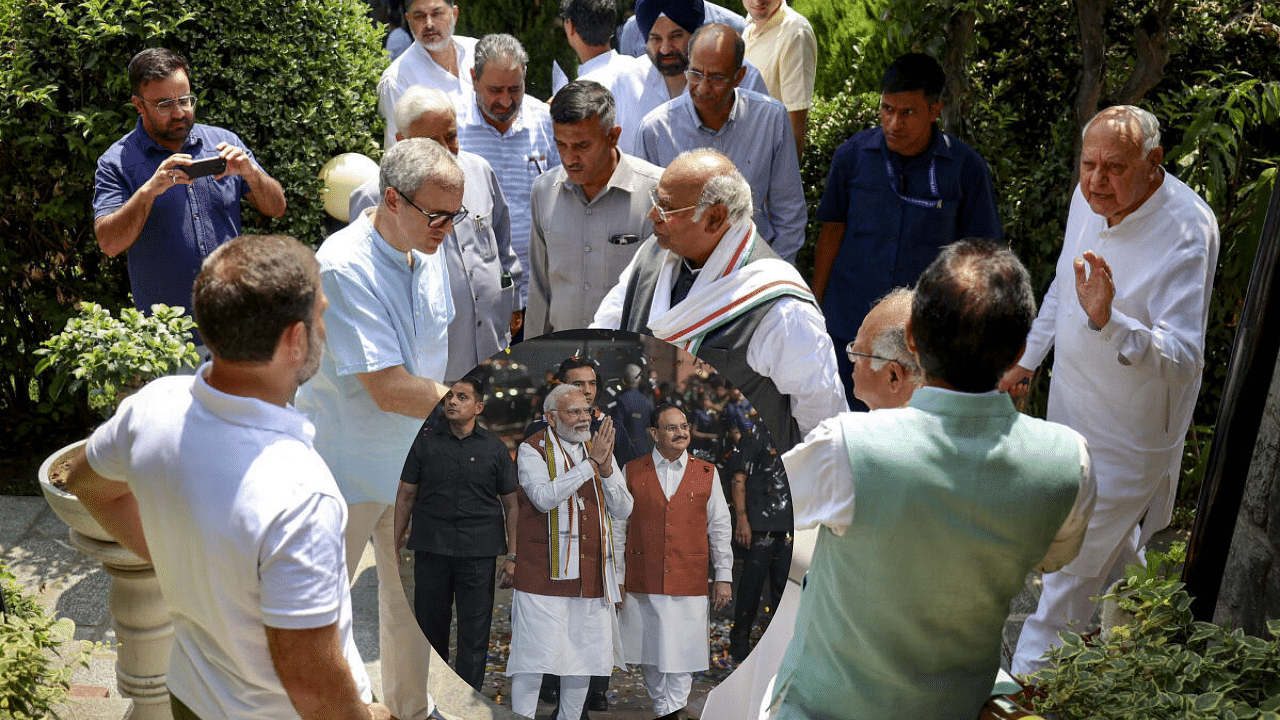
pixel 295 80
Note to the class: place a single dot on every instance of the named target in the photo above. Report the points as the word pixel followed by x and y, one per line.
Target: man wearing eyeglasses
pixel 679 526
pixel 885 373
pixel 708 282
pixel 658 76
pixel 751 128
pixel 437 59
pixel 483 269
pixel 895 195
pixel 387 345
pixel 146 203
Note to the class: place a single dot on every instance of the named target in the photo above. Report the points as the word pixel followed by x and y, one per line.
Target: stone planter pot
pixel 64 504
pixel 144 632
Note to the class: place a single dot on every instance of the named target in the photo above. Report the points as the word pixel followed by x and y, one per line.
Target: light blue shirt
pixel 758 139
pixel 382 313
pixel 518 156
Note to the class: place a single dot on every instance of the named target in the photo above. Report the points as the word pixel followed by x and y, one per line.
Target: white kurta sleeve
pixel 821 479
pixel 1066 544
pixel 719 531
pixel 1172 347
pixel 617 499
pixel 544 492
pixel 1043 330
pixel 791 347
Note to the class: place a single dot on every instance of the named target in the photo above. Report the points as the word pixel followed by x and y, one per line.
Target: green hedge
pixel 295 80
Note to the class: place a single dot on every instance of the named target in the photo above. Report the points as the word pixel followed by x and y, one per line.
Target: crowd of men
pixel 658 194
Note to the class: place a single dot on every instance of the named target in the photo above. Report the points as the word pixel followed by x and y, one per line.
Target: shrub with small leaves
pixel 108 356
pixel 1163 664
pixel 37 655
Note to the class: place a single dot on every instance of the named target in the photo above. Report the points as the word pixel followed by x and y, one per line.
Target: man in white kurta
pixel 562 610
pixel 1129 335
pixel 437 59
pixel 664 618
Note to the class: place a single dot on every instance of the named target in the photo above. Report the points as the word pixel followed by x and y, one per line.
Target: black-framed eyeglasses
pixel 664 214
pixel 186 102
pixel 716 80
pixel 854 355
pixel 436 219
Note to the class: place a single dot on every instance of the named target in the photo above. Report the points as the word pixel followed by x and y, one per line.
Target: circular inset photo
pixel 598 520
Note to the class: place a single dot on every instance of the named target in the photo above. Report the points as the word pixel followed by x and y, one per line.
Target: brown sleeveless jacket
pixel 533 560
pixel 668 552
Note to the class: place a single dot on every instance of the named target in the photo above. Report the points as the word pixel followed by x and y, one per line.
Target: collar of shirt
pixel 383 248
pixel 193 145
pixel 624 178
pixel 251 412
pixel 425 57
pixel 670 472
pixel 677 465
pixel 939 146
pixel 778 16
pixel 1153 203
pixel 476 118
pixel 600 61
pixel 686 102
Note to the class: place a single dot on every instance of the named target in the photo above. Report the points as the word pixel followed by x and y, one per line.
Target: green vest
pixel 957 497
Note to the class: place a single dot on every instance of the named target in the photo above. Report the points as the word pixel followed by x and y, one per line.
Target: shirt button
pixel 586 248
pixel 587 212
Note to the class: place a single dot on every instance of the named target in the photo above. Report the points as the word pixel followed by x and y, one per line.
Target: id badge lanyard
pixel 935 203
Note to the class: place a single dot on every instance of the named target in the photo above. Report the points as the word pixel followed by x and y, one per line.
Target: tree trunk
pixel 1151 51
pixel 959 32
pixel 1092 59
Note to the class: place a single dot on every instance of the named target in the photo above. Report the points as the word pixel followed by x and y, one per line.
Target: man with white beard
pixel 437 59
pixel 562 617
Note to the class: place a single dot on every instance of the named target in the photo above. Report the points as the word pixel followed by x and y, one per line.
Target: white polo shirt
pixel 245 527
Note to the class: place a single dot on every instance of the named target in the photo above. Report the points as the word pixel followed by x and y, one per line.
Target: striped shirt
pixel 518 156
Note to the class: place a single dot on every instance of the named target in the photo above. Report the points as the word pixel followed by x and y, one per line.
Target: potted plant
pixel 110 357
pixel 1161 663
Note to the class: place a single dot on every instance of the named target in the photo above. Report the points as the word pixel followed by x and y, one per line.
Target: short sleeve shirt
pixel 458 508
pixel 186 223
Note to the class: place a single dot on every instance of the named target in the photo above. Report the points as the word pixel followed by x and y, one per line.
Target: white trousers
pixel 573 694
pixel 1067 604
pixel 669 691
pixel 405 652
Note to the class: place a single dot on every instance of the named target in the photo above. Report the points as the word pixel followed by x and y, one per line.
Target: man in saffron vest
pixel 680 524
pixel 957 496
pixel 562 617
pixel 708 283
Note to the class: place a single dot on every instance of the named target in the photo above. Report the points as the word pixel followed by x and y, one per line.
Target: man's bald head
pixel 721 39
pixel 706 185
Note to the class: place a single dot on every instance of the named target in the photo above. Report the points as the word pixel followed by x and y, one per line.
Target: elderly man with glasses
pixel 707 281
pixel 751 128
pixel 885 373
pixel 387 345
pixel 169 192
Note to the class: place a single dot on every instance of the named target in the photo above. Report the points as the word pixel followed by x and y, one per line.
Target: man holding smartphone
pixel 169 191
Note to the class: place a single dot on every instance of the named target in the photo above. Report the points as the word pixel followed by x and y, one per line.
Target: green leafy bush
pixel 1163 664
pixel 37 655
pixel 109 357
pixel 295 80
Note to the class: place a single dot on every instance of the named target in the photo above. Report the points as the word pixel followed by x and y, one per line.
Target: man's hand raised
pixel 602 447
pixel 1097 289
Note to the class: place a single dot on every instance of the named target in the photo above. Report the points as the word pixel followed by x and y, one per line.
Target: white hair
pixel 418 101
pixel 892 341
pixel 553 397
pixel 1148 125
pixel 729 189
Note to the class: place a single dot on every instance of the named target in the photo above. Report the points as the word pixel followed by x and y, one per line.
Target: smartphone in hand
pixel 207 166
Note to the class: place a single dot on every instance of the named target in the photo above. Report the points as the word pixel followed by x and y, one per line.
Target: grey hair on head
pixel 498 45
pixel 557 392
pixel 892 341
pixel 1148 124
pixel 418 101
pixel 411 164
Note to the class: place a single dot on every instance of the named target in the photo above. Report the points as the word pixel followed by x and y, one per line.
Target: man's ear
pixel 717 216
pixel 295 343
pixel 479 406
pixel 910 337
pixel 137 103
pixel 653 434
pixel 1156 156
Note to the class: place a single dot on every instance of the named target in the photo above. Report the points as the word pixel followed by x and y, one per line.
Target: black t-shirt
pixel 768 496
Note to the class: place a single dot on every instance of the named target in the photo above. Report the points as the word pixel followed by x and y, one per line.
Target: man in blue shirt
pixel 145 203
pixel 895 196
